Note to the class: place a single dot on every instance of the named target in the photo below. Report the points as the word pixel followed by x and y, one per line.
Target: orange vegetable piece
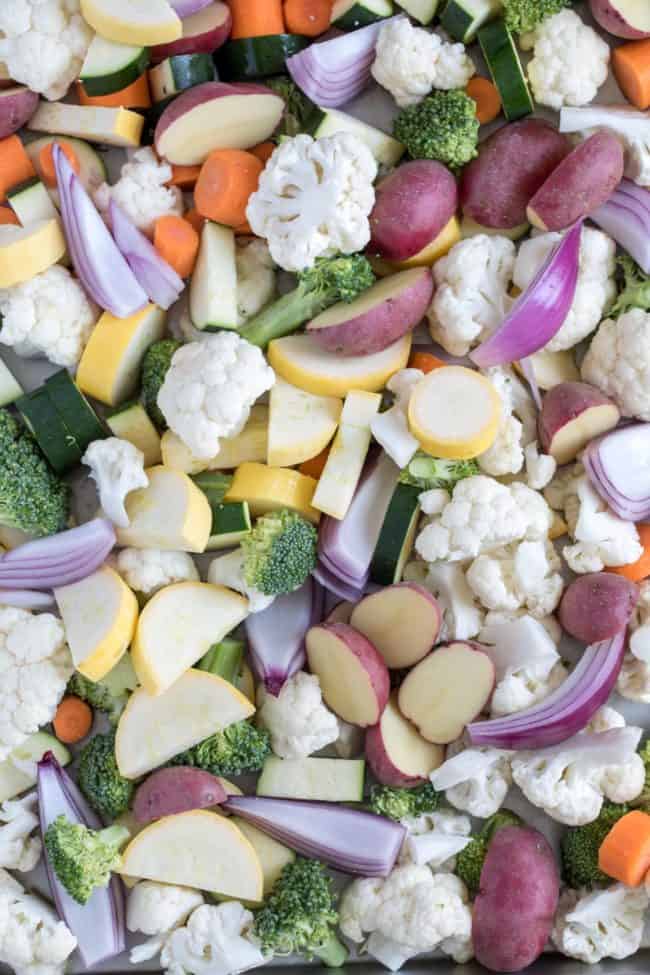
pixel 46 162
pixel 487 98
pixel 315 465
pixel 184 176
pixel 135 95
pixel 194 217
pixel 15 164
pixel 631 65
pixel 625 852
pixel 72 721
pixel 264 151
pixel 256 18
pixel 639 570
pixel 308 17
pixel 7 215
pixel 426 361
pixel 227 179
pixel 177 242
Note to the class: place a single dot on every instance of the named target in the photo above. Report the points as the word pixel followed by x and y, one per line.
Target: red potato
pixel 598 605
pixel 17 105
pixel 412 205
pixel 340 613
pixel 216 115
pixel 572 414
pixel 511 166
pixel 402 621
pixel 623 18
pixel 203 32
pixel 447 690
pixel 376 319
pixel 513 911
pixel 579 184
pixel 353 676
pixel 397 754
pixel 175 790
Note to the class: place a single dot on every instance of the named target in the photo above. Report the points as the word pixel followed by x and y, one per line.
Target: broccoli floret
pixel 580 846
pixel 297 107
pixel 109 694
pixel 155 365
pixel 279 553
pixel 522 16
pixel 469 862
pixel 428 472
pixel 32 497
pixel 299 915
pixel 99 778
pixel 399 803
pixel 225 660
pixel 442 126
pixel 83 858
pixel 636 288
pixel 330 280
pixel 237 749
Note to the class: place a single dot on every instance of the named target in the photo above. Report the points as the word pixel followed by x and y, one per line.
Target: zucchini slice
pixel 179 72
pixel 505 67
pixel 74 409
pixel 327 121
pixel 48 429
pixel 351 14
pixel 257 57
pixel 31 201
pixel 131 422
pixel 463 18
pixel 397 536
pixel 110 67
pixel 421 10
pixel 10 388
pixel 231 522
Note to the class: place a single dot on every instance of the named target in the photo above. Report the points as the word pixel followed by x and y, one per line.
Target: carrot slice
pixel 426 361
pixel 7 215
pixel 135 95
pixel 194 218
pixel 177 242
pixel 487 98
pixel 15 164
pixel 72 721
pixel 639 570
pixel 631 64
pixel 184 176
pixel 315 465
pixel 264 151
pixel 256 18
pixel 244 230
pixel 46 162
pixel 227 179
pixel 307 17
pixel 625 852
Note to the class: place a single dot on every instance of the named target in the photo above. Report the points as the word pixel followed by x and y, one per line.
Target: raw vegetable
pixel 470 860
pixel 65 557
pixel 301 425
pixel 454 412
pixel 31 202
pixel 131 422
pixel 297 108
pixel 396 754
pixel 625 852
pixel 597 605
pixel 307 17
pixel 252 58
pixel 397 536
pixel 353 676
pixel 635 291
pixel 110 694
pixel 155 364
pixel 124 23
pixel 171 791
pixel 401 803
pixel 109 67
pixel 227 179
pixel 426 472
pixel 186 177
pixel 639 570
pixel 271 489
pixel 17 104
pixel 463 18
pixel 442 126
pixel 110 126
pixel 177 242
pixel 46 161
pixel 572 415
pixel 237 749
pixel 318 779
pixel 279 553
pixel 15 164
pixel 256 18
pixel 580 847
pixel 486 96
pixel 615 465
pixel 500 53
pixel 401 621
pixel 172 513
pixel 225 660
pixel 7 216
pixel 621 18
pixel 315 466
pixel 204 31
pixel 15 780
pixel 522 16
pixel 626 217
pixel 158 279
pixel 136 96
pixel 631 65
pixel 72 721
pixel 179 72
pixel 99 778
pixel 321 122
pixel 27 251
pixel 83 858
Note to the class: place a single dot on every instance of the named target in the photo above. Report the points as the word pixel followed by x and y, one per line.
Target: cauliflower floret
pixel 19 850
pixel 157 910
pixel 474 780
pixel 35 666
pixel 297 719
pixel 595 288
pixel 633 680
pixel 209 389
pixel 117 468
pixel 471 296
pixel 410 61
pixel 601 924
pixel 517 428
pixel 570 61
pixel 215 939
pixel 634 677
pixel 618 362
pixel 33 941
pixel 524 575
pixel 43 44
pixel 434 839
pixel 228 570
pixel 540 468
pixel 602 539
pixel 314 199
pixel 141 191
pixel 390 428
pixel 462 617
pixel 48 315
pixel 483 515
pixel 147 570
pixel 255 277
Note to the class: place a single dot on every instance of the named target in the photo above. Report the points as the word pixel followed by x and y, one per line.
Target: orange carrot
pixel 486 96
pixel 135 95
pixel 639 570
pixel 315 465
pixel 256 18
pixel 308 17
pixel 177 242
pixel 631 64
pixel 625 852
pixel 46 163
pixel 244 230
pixel 425 361
pixel 15 164
pixel 7 215
pixel 194 218
pixel 264 151
pixel 72 721
pixel 184 176
pixel 227 179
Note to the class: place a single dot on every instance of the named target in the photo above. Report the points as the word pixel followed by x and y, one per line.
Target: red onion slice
pixel 626 217
pixel 618 466
pixel 58 559
pixel 158 279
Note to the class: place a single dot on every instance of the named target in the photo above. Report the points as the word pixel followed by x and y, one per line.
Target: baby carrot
pixel 639 570
pixel 264 151
pixel 15 164
pixel 625 852
pixel 307 17
pixel 46 162
pixel 425 361
pixel 177 242
pixel 7 215
pixel 135 95
pixel 72 721
pixel 256 18
pixel 184 176
pixel 631 64
pixel 486 96
pixel 227 179
pixel 195 219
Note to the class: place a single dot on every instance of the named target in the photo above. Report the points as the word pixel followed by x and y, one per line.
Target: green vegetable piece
pixel 155 366
pixel 109 694
pixel 580 846
pixel 469 862
pixel 99 778
pixel 442 126
pixel 297 107
pixel 398 803
pixel 83 858
pixel 279 553
pixel 224 660
pixel 427 472
pixel 237 749
pixel 636 288
pixel 522 16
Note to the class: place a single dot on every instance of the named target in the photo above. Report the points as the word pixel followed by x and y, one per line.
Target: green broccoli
pixel 109 694
pixel 32 497
pixel 428 472
pixel 83 858
pixel 522 16
pixel 299 915
pixel 237 749
pixel 398 803
pixel 155 366
pixel 99 778
pixel 469 862
pixel 330 280
pixel 225 660
pixel 442 126
pixel 636 288
pixel 279 553
pixel 297 107
pixel 580 846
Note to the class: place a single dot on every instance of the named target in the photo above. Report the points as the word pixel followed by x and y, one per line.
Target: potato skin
pixel 598 605
pixel 610 19
pixel 514 909
pixel 174 790
pixel 511 166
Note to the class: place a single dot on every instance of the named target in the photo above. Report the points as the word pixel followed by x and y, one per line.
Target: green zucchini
pixel 397 536
pixel 48 429
pixel 463 18
pixel 351 14
pixel 131 422
pixel 31 201
pixel 10 388
pixel 505 67
pixel 74 409
pixel 110 67
pixel 257 57
pixel 179 72
pixel 421 10
pixel 321 779
pixel 327 121
pixel 231 522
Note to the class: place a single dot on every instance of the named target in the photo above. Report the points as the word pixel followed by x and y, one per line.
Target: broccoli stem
pixel 224 660
pixel 333 953
pixel 283 316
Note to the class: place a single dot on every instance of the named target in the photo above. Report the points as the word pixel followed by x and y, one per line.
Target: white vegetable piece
pixel 142 191
pixel 634 677
pixel 298 720
pixel 390 428
pixel 33 941
pixel 618 362
pixel 601 924
pixel 157 910
pixel 220 936
pixel 255 277
pixel 434 839
pixel 540 468
pixel 601 538
pixel 462 618
pixel 523 575
pixel 117 468
pixel 228 570
pixel 147 570
pixel 475 780
pixel 19 849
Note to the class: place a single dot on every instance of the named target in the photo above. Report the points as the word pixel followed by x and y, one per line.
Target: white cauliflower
pixel 474 780
pixel 601 537
pixel 517 427
pixel 141 191
pixel 217 940
pixel 43 44
pixel 471 296
pixel 255 277
pixel 540 468
pixel 410 61
pixel 634 677
pixel 413 907
pixel 157 910
pixel 595 288
pixel 570 61
pixel 19 849
pixel 483 515
pixel 209 389
pixel 33 941
pixel 299 723
pixel 434 839
pixel 390 428
pixel 601 924
pixel 49 315
pixel 618 362
pixel 35 666
pixel 631 127
pixel 117 468
pixel 633 680
pixel 525 575
pixel 147 570
pixel 228 570
pixel 314 199
pixel 462 617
